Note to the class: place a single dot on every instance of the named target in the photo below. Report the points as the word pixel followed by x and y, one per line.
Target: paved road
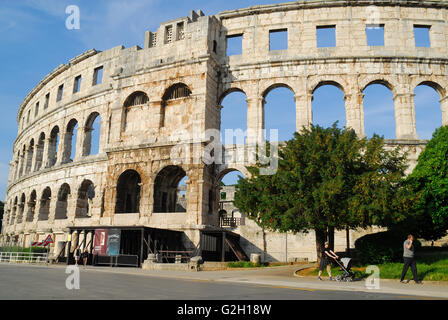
pixel 22 282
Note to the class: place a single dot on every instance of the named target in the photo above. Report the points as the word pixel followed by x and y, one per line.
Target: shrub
pixel 382 247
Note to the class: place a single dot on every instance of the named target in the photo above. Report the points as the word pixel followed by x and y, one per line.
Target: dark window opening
pixel 60 92
pixel 77 84
pixel 128 193
pixel 98 76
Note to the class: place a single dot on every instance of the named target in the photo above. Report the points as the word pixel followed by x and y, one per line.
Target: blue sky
pixel 34 41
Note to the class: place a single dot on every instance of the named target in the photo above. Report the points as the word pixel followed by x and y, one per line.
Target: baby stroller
pixel 345 264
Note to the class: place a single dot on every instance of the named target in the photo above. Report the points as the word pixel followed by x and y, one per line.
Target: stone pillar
pixel 304 112
pixel 405 116
pixel 444 107
pixel 354 113
pixel 65 147
pixel 45 156
pixel 34 160
pixel 36 210
pixel 255 119
pixel 61 148
pixel 52 209
pixel 79 143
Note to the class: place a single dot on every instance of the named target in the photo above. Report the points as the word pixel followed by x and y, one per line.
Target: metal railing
pixel 23 257
pixel 231 222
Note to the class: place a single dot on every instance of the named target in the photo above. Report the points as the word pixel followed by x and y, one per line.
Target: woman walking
pixel 325 261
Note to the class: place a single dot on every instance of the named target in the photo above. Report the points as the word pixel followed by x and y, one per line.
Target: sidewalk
pixel 284 277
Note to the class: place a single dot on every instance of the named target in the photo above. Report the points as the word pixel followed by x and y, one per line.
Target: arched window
pixel 21 208
pixel 132 110
pixel 84 203
pixel 29 157
pixel 233 120
pixel 428 114
pixel 70 141
pixel 31 206
pixel 40 152
pixel 61 204
pixel 135 99
pixel 53 147
pixel 279 110
pixel 128 192
pixel 45 199
pixel 92 135
pixel 328 105
pixel 167 187
pixel 176 91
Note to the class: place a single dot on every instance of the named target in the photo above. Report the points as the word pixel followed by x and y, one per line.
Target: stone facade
pixel 151 100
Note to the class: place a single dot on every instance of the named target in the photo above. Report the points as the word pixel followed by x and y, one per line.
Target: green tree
pixel 429 181
pixel 327 179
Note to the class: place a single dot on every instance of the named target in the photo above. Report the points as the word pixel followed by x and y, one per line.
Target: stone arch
pixel 433 84
pixel 428 108
pixel 320 81
pixel 31 206
pixel 40 146
pixel 328 113
pixel 62 202
pixel 29 157
pixel 388 82
pixel 21 208
pixel 131 108
pixel 53 146
pixel 84 202
pixel 237 125
pixel 14 210
pixel 92 135
pixel 128 192
pixel 70 141
pixel 379 108
pixel 166 190
pixel 230 91
pixel 44 211
pixel 225 194
pixel 279 111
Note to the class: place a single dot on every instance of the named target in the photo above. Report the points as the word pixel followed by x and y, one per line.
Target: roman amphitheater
pixel 148 106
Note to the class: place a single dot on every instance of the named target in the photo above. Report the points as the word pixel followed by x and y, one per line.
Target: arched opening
pixel 22 161
pixel 233 122
pixel 62 203
pixel 167 187
pixel 428 114
pixel 29 157
pixel 45 199
pixel 174 92
pixel 92 135
pixel 379 113
pixel 84 203
pixel 21 208
pixel 31 206
pixel 227 181
pixel 14 211
pixel 70 141
pixel 279 112
pixel 328 105
pixel 132 107
pixel 128 192
pixel 53 147
pixel 40 152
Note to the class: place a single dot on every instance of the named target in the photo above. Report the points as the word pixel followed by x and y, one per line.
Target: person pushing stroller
pixel 325 261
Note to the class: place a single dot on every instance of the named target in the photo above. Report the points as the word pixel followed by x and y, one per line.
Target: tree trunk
pixel 347 236
pixel 331 238
pixel 321 237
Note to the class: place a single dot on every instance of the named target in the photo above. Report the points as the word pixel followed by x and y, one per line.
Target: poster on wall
pixel 100 242
pixel 113 242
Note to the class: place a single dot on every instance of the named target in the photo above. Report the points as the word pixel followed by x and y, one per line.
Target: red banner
pixel 100 242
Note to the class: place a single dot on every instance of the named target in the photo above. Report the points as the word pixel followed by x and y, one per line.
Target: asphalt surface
pixel 24 282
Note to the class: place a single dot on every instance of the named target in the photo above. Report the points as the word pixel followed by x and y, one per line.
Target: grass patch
pixel 430 267
pixel 246 264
